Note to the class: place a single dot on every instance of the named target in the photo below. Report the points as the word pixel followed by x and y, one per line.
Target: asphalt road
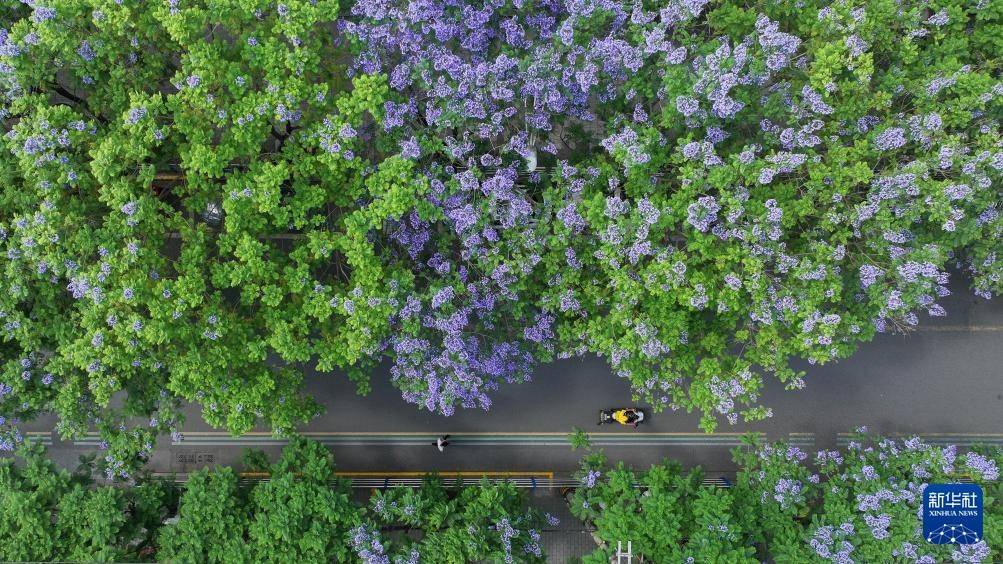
pixel 941 382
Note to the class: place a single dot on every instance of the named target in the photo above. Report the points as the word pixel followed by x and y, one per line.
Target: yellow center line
pixel 457 474
pixel 545 474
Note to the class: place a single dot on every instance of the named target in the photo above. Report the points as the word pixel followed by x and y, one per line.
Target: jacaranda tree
pixel 863 503
pixel 199 197
pixel 859 504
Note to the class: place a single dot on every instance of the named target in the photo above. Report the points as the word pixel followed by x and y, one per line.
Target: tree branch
pixel 62 91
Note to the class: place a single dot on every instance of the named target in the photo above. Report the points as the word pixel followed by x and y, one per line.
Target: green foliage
pixel 304 513
pixel 300 514
pixel 457 524
pixel 200 198
pixel 666 514
pixel 697 315
pixel 860 504
pixel 211 522
pixel 116 199
pixel 579 439
pixel 49 514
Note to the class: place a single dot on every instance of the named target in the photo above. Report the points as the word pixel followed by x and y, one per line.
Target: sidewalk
pixel 570 539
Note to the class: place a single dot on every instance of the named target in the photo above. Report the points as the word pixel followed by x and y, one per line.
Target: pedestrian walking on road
pixel 442 442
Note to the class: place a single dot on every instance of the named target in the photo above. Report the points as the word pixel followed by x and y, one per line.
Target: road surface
pixel 941 382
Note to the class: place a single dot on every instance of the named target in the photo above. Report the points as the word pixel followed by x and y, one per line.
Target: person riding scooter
pixel 629 416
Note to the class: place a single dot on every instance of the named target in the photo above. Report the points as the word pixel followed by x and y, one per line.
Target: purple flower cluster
pixel 367 545
pixel 450 363
pixel 787 492
pixel 830 543
pixel 879 525
pixel 85 51
pixel 135 115
pixel 702 213
pixel 974 553
pixel 42 13
pixel 891 138
pixel 985 467
pixel 869 275
pixel 570 218
pixel 726 391
pixel 779 47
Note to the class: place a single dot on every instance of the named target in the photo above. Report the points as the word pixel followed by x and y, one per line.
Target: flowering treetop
pixel 698 192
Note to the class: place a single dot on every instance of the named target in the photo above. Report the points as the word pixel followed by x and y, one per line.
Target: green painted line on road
pixel 41 437
pixel 627 439
pixel 220 438
pixel 215 438
pixel 485 439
